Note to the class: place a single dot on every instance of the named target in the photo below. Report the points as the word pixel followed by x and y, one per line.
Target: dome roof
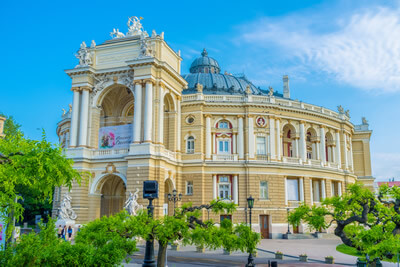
pixel 205 64
pixel 206 71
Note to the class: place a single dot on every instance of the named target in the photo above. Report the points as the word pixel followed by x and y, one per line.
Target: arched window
pixel 224 125
pixel 190 145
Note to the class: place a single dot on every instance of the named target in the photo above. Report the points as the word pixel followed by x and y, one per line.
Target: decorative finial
pixel 248 90
pixel 199 87
pixel 204 53
pixel 271 91
pixel 364 121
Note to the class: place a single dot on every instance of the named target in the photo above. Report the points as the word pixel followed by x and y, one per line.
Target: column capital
pixel 278 119
pixel 152 81
pixel 76 89
pixel 272 117
pixel 208 116
pixel 322 127
pixel 337 131
pixel 240 116
pixel 178 97
pixel 140 82
pixel 250 116
pixel 302 122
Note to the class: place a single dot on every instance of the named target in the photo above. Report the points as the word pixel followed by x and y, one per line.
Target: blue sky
pixel 335 53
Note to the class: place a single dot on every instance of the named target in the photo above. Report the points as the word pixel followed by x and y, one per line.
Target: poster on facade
pixel 115 137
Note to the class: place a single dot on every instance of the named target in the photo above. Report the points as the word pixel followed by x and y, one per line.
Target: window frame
pixel 227 183
pixel 189 187
pixel 190 142
pixel 298 189
pixel 264 189
pixel 264 145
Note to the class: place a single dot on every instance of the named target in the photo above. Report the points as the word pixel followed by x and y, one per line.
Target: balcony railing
pixel 291 160
pixel 226 157
pixel 107 152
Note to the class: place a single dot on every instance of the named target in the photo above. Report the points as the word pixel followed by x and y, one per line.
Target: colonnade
pixel 274 138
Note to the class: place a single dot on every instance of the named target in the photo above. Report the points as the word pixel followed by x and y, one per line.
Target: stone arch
pixel 109 86
pixel 223 119
pixel 289 141
pixel 170 120
pixel 111 189
pixel 169 186
pixel 311 143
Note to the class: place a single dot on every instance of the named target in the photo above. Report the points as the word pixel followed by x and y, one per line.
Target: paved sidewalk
pixel 316 249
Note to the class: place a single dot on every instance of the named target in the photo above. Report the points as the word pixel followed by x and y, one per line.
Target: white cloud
pixel 386 165
pixel 362 50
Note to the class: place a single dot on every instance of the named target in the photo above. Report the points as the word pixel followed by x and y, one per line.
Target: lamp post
pixel 250 203
pixel 288 225
pixel 174 197
pixel 150 191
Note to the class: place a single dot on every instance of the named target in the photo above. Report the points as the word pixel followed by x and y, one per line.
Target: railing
pixel 266 100
pixel 169 154
pixel 262 157
pixel 222 157
pixel 291 160
pixel 315 162
pixel 332 165
pixel 106 152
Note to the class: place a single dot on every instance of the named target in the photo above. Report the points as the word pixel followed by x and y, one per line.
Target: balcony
pixel 291 160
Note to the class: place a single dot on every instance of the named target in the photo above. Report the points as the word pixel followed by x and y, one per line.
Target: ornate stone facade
pixel 205 134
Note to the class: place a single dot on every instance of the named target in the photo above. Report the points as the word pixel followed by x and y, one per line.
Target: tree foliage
pixel 32 165
pixel 108 248
pixel 368 222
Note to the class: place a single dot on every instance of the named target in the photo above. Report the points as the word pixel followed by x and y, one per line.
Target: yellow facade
pixel 204 141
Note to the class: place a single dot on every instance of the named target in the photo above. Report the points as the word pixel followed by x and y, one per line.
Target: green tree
pixel 37 165
pixel 368 222
pixel 44 249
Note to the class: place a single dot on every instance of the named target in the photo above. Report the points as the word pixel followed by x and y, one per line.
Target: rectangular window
pixel 261 146
pixel 190 145
pixel 189 188
pixel 316 185
pixel 224 146
pixel 335 188
pixel 223 217
pixel 224 187
pixel 293 189
pixel 264 190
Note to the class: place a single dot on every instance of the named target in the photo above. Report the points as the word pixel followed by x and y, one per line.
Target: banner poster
pixel 115 137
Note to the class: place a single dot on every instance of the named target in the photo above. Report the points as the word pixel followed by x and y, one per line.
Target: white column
pixel 279 140
pixel 272 137
pixel 208 137
pixel 314 151
pixel 213 151
pixel 215 194
pixel 351 154
pixel 339 189
pixel 286 192
pixel 338 160
pixel 235 189
pixel 161 116
pixel 346 164
pixel 148 112
pixel 323 188
pixel 333 154
pixel 322 144
pixel 296 147
pixel 74 120
pixel 234 143
pixel 178 134
pixel 301 184
pixel 137 114
pixel 317 145
pixel 329 158
pixel 303 148
pixel 83 128
pixel 240 138
pixel 251 137
pixel 311 192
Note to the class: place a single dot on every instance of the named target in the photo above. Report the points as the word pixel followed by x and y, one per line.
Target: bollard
pixel 274 264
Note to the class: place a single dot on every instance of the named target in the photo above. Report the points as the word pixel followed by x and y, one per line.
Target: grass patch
pixel 342 248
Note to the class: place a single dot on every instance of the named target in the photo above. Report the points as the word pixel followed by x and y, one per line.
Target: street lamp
pixel 288 225
pixel 250 203
pixel 150 191
pixel 174 197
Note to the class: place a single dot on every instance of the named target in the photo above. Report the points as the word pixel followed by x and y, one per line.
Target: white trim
pixel 98 179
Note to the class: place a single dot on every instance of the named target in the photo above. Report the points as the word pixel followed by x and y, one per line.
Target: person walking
pixel 64 232
pixel 59 231
pixel 69 233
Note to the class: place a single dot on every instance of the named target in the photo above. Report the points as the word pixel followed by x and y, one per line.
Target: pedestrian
pixel 69 233
pixel 59 231
pixel 64 232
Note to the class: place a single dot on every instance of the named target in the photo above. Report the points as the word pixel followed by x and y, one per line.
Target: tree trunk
pixel 162 253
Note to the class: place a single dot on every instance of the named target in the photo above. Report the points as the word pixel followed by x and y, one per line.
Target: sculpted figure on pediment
pixel 85 56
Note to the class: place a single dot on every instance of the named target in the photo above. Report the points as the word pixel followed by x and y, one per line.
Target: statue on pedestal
pixel 131 205
pixel 66 211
